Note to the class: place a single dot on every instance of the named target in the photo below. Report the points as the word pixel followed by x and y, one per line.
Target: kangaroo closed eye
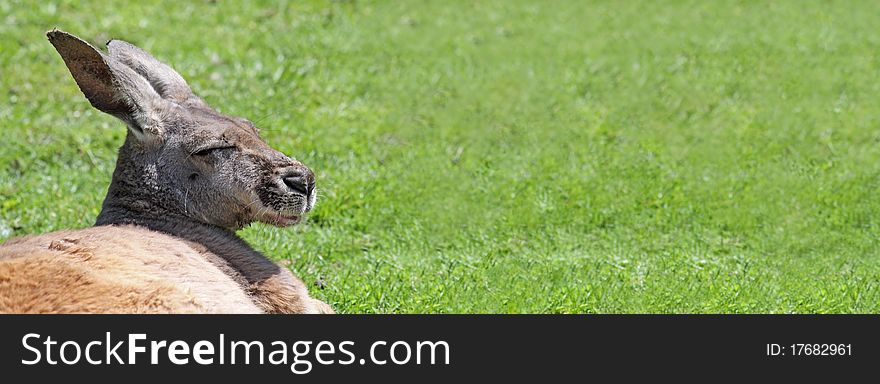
pixel 208 150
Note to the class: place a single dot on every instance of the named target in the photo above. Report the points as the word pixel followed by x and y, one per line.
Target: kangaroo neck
pixel 243 263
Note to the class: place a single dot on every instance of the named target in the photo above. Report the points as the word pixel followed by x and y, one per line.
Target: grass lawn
pixel 506 156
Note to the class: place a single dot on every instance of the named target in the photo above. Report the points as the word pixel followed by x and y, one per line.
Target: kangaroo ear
pixel 162 77
pixel 110 86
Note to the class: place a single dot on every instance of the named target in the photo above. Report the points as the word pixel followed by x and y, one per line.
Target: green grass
pixel 507 156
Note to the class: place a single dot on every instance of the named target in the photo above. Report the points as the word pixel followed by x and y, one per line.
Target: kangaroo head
pixel 181 158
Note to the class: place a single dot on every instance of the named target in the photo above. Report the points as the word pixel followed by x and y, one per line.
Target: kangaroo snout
pixel 299 179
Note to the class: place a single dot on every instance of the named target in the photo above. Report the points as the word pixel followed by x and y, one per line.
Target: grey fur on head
pixel 182 160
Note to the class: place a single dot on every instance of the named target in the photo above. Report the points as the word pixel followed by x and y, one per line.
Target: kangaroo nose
pixel 301 180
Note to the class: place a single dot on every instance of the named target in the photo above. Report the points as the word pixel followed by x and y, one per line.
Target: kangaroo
pixel 186 179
